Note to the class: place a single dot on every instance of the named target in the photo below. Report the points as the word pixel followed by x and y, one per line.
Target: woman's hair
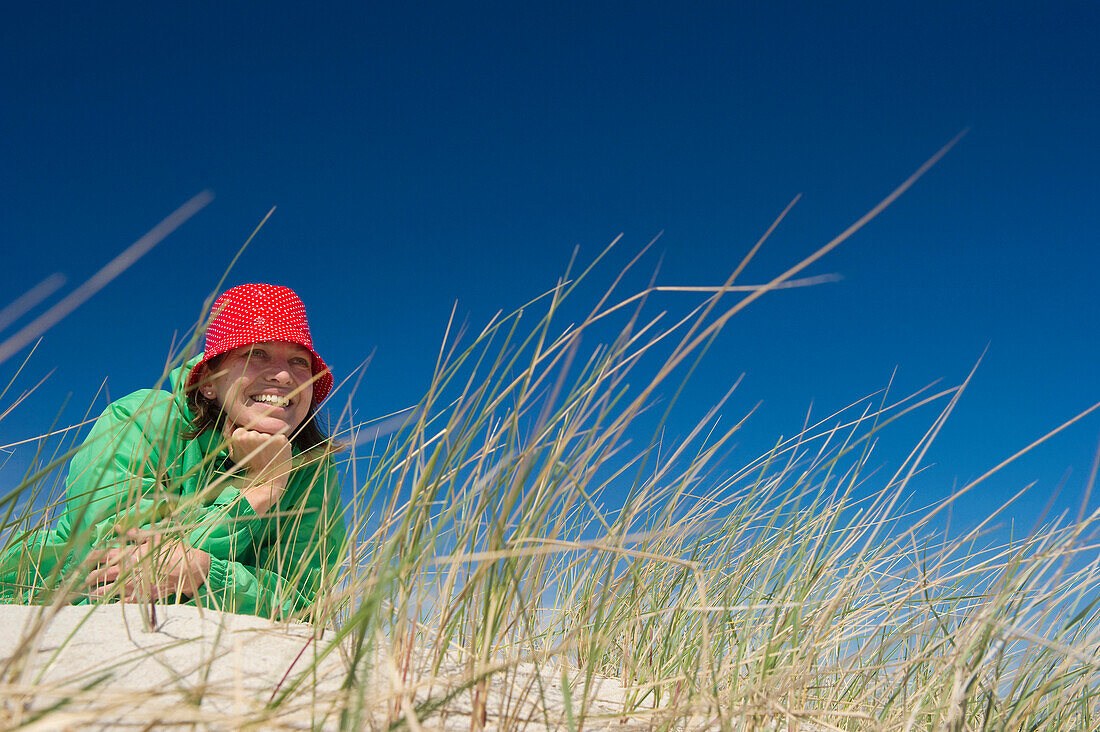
pixel 208 415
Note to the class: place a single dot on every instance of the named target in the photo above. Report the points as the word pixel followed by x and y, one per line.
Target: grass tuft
pixel 491 581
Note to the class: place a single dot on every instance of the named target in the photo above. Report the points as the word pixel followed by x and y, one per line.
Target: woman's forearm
pixel 263 494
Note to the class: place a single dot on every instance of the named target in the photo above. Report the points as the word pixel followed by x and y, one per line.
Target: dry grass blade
pixel 30 299
pixel 99 280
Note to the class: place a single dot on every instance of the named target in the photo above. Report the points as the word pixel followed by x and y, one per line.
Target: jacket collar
pixel 210 442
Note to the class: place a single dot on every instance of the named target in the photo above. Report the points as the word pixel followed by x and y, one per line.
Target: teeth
pixel 274 399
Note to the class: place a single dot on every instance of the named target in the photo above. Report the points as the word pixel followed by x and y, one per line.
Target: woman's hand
pixel 148 568
pixel 266 462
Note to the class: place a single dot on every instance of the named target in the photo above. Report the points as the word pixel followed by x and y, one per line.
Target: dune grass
pixel 496 577
pixel 790 591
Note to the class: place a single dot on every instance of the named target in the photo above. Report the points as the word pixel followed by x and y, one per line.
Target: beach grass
pixel 521 556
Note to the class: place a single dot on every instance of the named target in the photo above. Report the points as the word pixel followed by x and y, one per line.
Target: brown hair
pixel 208 415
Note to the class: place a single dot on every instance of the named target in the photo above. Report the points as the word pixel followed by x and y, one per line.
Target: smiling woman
pixel 222 492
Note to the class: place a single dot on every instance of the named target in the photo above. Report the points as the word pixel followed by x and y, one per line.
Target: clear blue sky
pixel 425 153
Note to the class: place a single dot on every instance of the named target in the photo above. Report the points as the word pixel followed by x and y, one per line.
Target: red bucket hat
pixel 249 314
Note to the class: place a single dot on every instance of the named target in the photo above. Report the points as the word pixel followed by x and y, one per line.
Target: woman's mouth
pixel 275 400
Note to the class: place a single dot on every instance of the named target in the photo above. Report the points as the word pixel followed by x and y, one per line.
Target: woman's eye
pixel 257 353
pixel 300 362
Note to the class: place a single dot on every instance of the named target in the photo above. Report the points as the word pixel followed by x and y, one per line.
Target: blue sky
pixel 421 154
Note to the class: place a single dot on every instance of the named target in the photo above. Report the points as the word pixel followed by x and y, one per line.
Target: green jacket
pixel 137 468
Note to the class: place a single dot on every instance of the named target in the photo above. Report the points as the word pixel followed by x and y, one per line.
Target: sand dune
pixel 81 667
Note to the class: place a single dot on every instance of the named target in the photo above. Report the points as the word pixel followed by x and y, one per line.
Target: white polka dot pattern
pixel 253 313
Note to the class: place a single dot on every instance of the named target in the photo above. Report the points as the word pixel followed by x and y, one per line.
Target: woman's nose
pixel 280 372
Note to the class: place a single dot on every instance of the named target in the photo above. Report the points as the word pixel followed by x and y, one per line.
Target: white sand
pixel 219 671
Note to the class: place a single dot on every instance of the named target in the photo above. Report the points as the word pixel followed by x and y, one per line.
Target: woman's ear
pixel 206 386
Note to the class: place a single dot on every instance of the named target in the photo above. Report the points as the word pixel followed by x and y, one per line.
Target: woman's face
pixel 263 386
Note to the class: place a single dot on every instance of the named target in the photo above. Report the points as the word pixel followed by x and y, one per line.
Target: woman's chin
pixel 269 426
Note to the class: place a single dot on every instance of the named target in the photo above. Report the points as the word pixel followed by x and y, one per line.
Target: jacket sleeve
pixel 126 474
pixel 295 559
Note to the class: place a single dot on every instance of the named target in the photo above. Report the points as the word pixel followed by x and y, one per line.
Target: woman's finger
pixel 103 561
pixel 140 536
pixel 113 557
pixel 104 575
pixel 96 556
pixel 143 572
pixel 134 590
pixel 112 563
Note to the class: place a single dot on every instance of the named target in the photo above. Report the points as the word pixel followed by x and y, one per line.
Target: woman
pixel 221 492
